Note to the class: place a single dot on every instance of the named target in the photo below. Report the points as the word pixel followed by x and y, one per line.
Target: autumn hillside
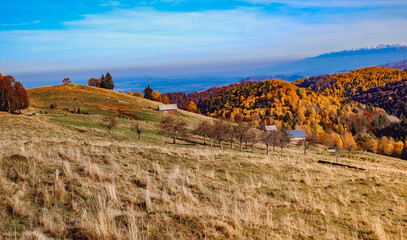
pixel 63 177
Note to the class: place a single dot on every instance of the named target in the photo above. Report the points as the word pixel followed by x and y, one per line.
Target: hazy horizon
pixel 44 41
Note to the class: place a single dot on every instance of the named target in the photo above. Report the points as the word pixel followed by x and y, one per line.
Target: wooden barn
pixel 168 108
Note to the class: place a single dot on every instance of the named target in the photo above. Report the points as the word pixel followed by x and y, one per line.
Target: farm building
pixel 171 108
pixel 297 136
pixel 268 128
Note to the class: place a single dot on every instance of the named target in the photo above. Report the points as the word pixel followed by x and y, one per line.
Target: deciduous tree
pixel 94 82
pixel 156 96
pixel 173 127
pixel 66 81
pixel 109 122
pixel 13 96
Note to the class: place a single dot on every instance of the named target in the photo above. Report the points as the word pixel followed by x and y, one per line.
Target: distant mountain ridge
pixel 342 61
pixel 396 65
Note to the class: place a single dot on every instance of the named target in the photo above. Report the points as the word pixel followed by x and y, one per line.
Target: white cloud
pixel 147 37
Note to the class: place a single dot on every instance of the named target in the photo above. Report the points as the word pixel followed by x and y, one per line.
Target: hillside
pixel 396 65
pixel 284 104
pixel 67 178
pixel 348 84
pixel 392 97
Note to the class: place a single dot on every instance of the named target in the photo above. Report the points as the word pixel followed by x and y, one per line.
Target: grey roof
pixel 268 128
pixel 297 133
pixel 167 107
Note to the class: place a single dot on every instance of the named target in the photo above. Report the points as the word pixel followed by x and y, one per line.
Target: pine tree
pixel 107 82
pixel 148 92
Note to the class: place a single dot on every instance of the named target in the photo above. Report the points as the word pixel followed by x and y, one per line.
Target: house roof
pixel 297 133
pixel 167 107
pixel 268 128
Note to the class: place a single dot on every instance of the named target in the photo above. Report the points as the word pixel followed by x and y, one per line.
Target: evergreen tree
pixel 107 82
pixel 148 92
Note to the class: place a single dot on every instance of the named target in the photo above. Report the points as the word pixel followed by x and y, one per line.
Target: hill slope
pixel 65 181
pixel 392 97
pixel 396 65
pixel 347 84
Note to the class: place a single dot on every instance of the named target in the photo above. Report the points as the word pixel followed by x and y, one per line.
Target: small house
pixel 168 108
pixel 268 128
pixel 297 136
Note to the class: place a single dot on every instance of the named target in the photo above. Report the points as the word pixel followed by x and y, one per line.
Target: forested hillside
pixel 392 97
pixel 284 104
pixel 359 80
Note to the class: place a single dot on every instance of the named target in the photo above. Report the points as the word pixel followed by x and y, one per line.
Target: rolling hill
pixel 63 177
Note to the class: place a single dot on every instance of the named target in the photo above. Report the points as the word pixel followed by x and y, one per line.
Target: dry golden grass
pixel 90 186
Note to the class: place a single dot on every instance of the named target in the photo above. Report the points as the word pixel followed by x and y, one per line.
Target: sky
pixel 175 37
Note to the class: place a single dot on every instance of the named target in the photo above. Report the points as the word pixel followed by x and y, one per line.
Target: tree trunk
pixel 274 148
pixel 241 145
pixel 110 131
pixel 338 156
pixel 267 149
pixel 211 142
pixel 281 150
pixel 246 145
pixel 205 140
pixel 221 146
pixel 173 140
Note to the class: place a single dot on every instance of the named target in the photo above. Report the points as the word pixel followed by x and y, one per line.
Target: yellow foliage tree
pixel 192 107
pixel 138 94
pixel 156 96
pixel 398 148
pixel 348 142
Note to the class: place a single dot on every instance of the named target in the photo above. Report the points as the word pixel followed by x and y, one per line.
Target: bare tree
pixel 173 127
pixel 309 142
pixel 109 122
pixel 204 129
pixel 220 131
pixel 241 132
pixel 230 133
pixel 252 136
pixel 269 138
pixel 283 138
pixel 136 128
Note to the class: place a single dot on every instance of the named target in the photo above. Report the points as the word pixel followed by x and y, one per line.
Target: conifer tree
pixel 107 82
pixel 148 92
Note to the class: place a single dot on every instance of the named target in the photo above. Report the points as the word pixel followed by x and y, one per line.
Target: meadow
pixel 63 177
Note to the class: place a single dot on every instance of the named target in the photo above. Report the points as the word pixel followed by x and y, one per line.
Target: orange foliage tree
pixel 94 82
pixel 156 96
pixel 138 94
pixel 192 107
pixel 13 96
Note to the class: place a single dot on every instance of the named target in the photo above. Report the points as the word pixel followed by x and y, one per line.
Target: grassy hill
pixel 63 177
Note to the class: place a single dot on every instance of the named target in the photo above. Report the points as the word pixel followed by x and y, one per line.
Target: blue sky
pixel 154 37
